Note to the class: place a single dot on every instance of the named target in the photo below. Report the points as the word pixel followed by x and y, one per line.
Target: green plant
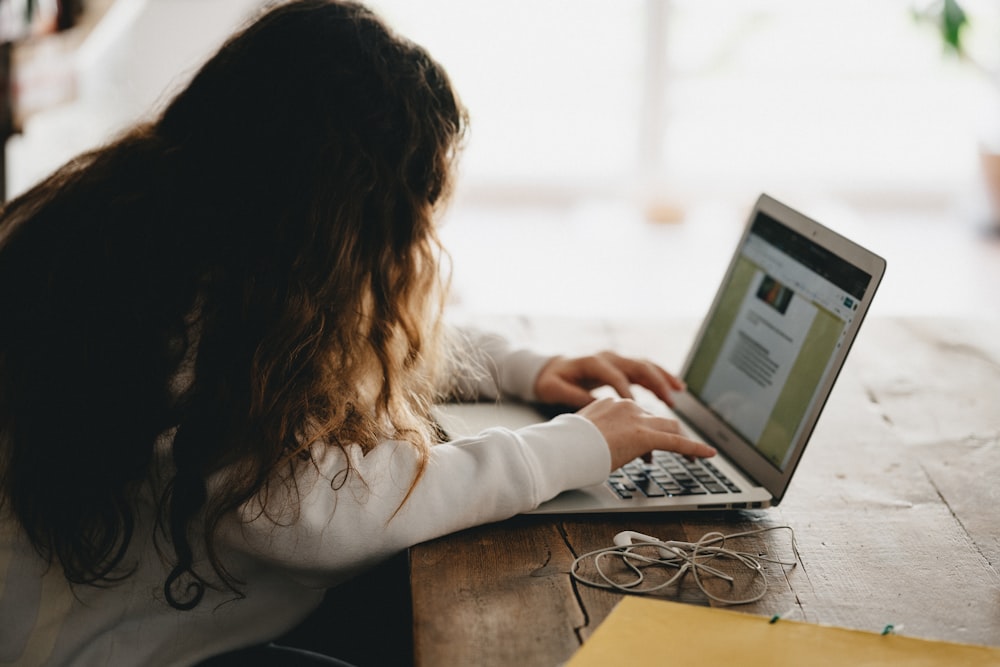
pixel 950 20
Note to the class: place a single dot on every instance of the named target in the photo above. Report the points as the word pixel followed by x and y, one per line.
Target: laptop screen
pixel 772 339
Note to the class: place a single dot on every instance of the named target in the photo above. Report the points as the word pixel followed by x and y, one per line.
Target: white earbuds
pixel 627 538
pixel 683 557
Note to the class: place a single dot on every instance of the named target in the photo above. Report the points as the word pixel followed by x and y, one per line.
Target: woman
pixel 221 341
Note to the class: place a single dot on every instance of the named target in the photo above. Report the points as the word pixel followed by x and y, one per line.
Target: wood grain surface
pixel 894 509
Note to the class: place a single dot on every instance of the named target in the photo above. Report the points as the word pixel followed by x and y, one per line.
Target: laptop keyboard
pixel 669 474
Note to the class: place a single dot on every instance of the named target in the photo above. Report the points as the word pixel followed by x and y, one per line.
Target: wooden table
pixel 894 507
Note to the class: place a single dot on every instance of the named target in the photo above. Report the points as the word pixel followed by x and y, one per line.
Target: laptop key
pixel 620 490
pixel 652 490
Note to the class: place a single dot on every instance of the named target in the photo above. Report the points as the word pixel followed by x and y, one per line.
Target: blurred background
pixel 616 148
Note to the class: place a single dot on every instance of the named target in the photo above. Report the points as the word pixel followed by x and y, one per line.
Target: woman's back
pixel 48 621
pixel 242 282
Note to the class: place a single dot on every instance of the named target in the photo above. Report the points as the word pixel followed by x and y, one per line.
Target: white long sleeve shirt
pixel 287 564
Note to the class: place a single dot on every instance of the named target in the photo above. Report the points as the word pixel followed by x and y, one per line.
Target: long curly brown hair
pixel 252 275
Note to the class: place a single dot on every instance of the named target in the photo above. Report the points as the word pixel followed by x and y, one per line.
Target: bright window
pixel 715 97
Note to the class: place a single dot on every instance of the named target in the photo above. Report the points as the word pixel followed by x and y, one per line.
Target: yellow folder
pixel 644 631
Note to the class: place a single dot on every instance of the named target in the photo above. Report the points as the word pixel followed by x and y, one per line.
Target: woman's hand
pixel 569 381
pixel 632 432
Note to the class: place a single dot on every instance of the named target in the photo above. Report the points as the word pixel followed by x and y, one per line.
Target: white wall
pixel 140 52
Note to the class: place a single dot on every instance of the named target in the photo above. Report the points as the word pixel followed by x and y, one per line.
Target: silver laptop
pixel 758 374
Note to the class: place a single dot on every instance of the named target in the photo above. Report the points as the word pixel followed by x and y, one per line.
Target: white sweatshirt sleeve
pixel 338 524
pixel 492 367
pixel 347 523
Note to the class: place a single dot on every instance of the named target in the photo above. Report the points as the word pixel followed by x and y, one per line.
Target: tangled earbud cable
pixel 633 551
